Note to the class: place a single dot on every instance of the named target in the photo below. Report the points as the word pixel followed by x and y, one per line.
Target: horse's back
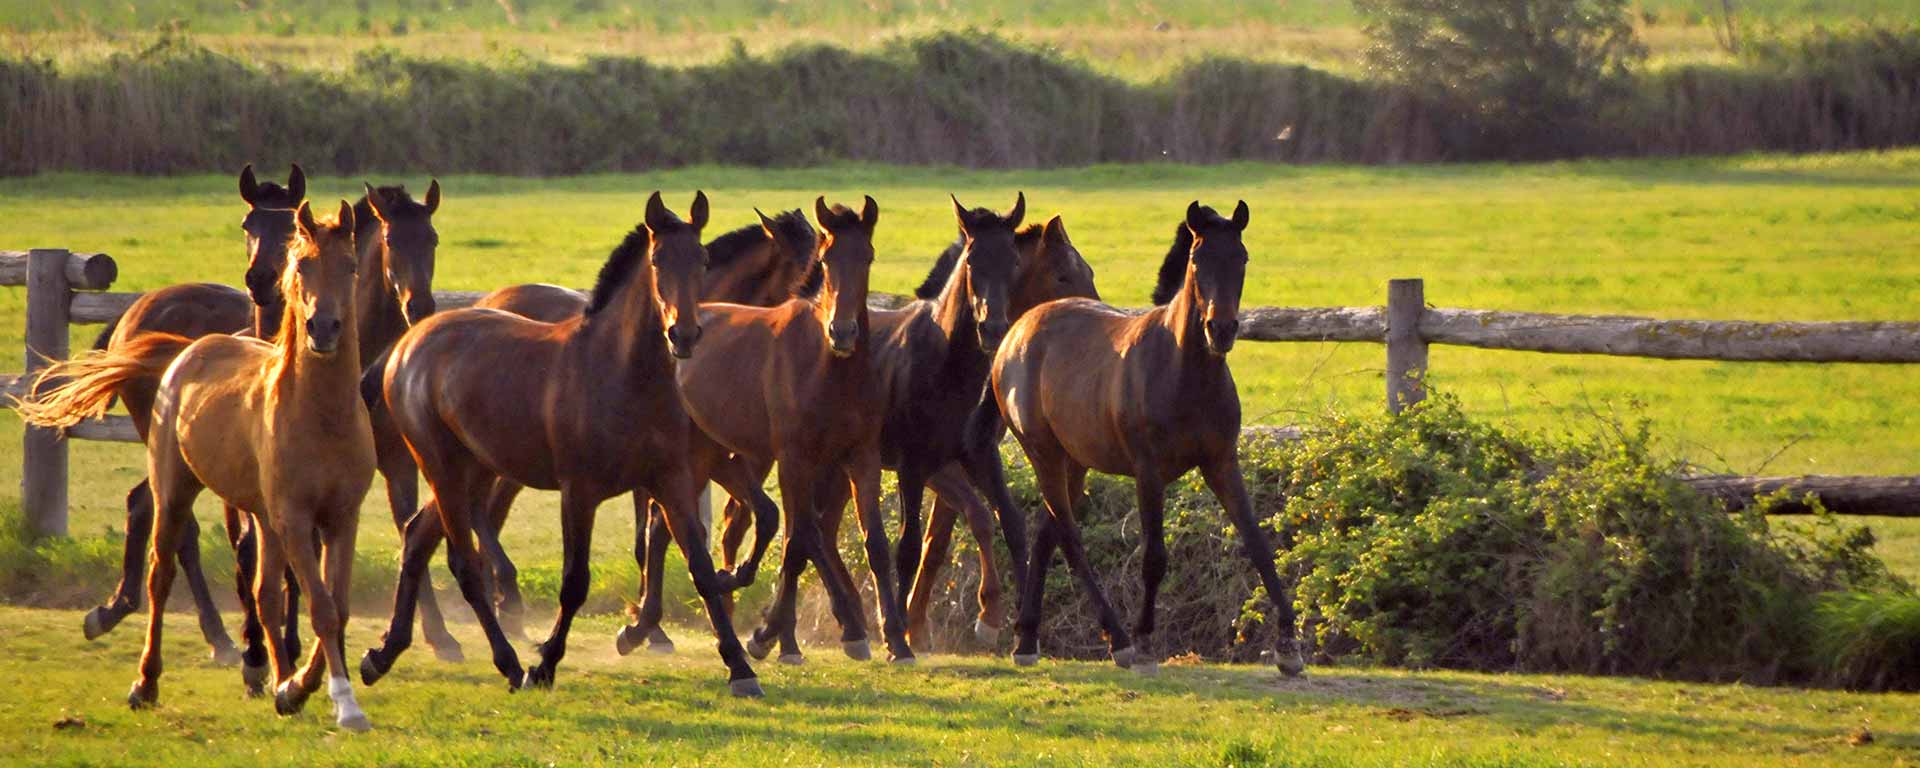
pixel 188 309
pixel 544 302
pixel 1081 374
pixel 483 375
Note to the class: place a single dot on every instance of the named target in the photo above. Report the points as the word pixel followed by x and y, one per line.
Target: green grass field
pixel 1767 238
pixel 68 708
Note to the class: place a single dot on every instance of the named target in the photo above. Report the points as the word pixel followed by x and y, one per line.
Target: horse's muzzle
pixel 681 342
pixel 263 286
pixel 991 334
pixel 323 336
pixel 419 307
pixel 1221 334
pixel 843 338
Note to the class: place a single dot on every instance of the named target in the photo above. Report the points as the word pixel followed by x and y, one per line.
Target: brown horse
pixel 1148 396
pixel 273 428
pixel 794 384
pixel 757 265
pixel 193 310
pixel 587 406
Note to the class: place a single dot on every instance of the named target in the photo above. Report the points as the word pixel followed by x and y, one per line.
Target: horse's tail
pixel 373 382
pixel 82 388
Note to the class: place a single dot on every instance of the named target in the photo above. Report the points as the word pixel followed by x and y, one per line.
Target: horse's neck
pixel 377 309
pixel 749 279
pixel 1184 320
pixel 953 311
pixel 267 320
pixel 311 384
pixel 626 336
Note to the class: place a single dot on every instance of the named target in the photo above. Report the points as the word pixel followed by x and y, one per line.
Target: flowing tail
pixel 82 388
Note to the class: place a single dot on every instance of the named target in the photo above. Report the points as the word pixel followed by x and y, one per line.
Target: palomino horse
pixel 795 384
pixel 274 429
pixel 1148 396
pixel 194 310
pixel 757 265
pixel 587 406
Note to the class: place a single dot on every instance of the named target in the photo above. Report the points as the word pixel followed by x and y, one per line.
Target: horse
pixel 1149 396
pixel 274 429
pixel 193 310
pixel 586 406
pixel 795 384
pixel 758 264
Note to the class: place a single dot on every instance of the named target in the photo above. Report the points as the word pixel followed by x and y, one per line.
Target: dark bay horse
pixel 795 384
pixel 1085 386
pixel 193 310
pixel 587 406
pixel 275 429
pixel 758 265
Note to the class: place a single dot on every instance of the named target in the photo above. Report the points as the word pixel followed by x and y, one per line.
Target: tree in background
pixel 1535 73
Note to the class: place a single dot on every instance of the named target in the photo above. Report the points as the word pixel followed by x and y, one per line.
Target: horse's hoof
pixel 724 581
pixel 758 650
pixel 746 688
pixel 661 644
pixel 1124 657
pixel 371 668
pixel 1026 659
pixel 793 659
pixel 625 640
pixel 449 651
pixel 987 634
pixel 1287 657
pixel 356 723
pixel 289 698
pixel 902 661
pixel 538 677
pixel 224 655
pixel 858 650
pixel 255 678
pixel 1146 668
pixel 143 695
pixel 97 623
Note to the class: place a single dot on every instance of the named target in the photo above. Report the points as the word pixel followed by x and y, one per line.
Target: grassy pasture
pixel 947 711
pixel 1808 238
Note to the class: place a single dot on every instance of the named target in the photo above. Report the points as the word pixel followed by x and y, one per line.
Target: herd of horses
pixel 687 363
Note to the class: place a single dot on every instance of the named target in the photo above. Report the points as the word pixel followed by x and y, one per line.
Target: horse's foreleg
pixel 1223 478
pixel 133 562
pixel 829 513
pixel 576 543
pixel 988 472
pixel 864 471
pixel 934 551
pixel 912 489
pixel 675 490
pixel 1152 495
pixel 337 580
pixel 1033 589
pixel 1066 530
pixel 297 534
pixel 742 479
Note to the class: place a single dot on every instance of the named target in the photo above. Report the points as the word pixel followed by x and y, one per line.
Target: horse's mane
pixel 620 268
pixel 942 271
pixel 791 227
pixel 269 194
pixel 838 217
pixel 1173 271
pixel 399 203
pixel 300 246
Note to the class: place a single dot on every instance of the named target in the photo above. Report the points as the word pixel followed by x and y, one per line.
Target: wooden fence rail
pixel 66 288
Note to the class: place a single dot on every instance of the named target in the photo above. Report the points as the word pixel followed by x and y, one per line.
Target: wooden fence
pixel 69 288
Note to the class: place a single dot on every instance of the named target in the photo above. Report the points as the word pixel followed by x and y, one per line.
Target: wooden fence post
pixel 43 474
pixel 1406 348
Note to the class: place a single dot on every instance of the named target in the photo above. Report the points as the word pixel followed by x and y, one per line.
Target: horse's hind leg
pixel 458 482
pixel 253 660
pixel 422 536
pixel 211 626
pixel 403 500
pixel 504 577
pixel 576 544
pixel 864 471
pixel 675 490
pixel 173 504
pixel 1063 491
pixel 133 561
pixel 829 513
pixel 650 540
pixel 1151 494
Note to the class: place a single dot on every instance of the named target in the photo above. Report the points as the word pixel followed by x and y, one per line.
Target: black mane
pixel 399 204
pixel 269 194
pixel 1173 271
pixel 791 227
pixel 809 287
pixel 942 271
pixel 619 269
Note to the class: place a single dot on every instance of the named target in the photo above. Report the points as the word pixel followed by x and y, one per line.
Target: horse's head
pixel 1050 268
pixel 791 245
pixel 319 278
pixel 406 241
pixel 269 226
pixel 988 253
pixel 1219 263
pixel 679 264
pixel 845 255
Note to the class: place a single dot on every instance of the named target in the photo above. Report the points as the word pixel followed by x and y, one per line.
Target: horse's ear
pixel 249 186
pixel 698 213
pixel 1193 217
pixel 1055 231
pixel 960 214
pixel 657 215
pixel 296 182
pixel 1240 216
pixel 305 218
pixel 375 202
pixel 766 224
pixel 345 223
pixel 1019 211
pixel 869 215
pixel 821 215
pixel 433 196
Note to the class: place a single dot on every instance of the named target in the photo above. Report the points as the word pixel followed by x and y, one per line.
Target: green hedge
pixel 969 99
